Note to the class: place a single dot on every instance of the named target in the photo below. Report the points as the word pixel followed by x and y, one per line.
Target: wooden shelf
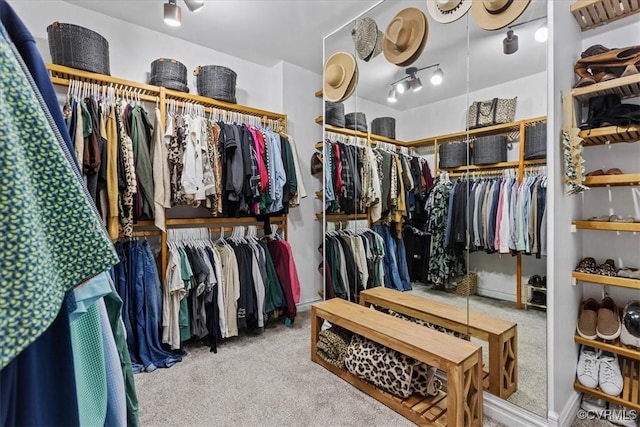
pixel 535 162
pixel 501 165
pixel 610 134
pixel 622 282
pixel 319 94
pixel 319 120
pixel 352 132
pixel 613 180
pixel 537 288
pixel 594 13
pixel 342 217
pixel 629 398
pixel 607 226
pixel 626 87
pixel 613 346
pixel 319 145
pixel 319 194
pixel 530 304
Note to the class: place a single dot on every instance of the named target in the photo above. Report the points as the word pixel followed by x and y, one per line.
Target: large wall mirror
pixel 462 208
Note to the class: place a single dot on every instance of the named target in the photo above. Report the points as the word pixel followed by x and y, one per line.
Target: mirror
pixel 461 257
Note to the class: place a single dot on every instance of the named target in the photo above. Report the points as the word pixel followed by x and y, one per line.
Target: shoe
pixel 621 416
pixel 629 273
pixel 592 403
pixel 588 367
pixel 610 377
pixel 598 106
pixel 588 319
pixel 609 324
pixel 536 281
pixel 539 298
pixel 587 265
pixel 607 268
pixel 544 282
pixel 630 333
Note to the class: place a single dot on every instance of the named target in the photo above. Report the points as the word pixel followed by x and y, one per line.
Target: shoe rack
pixel 591 14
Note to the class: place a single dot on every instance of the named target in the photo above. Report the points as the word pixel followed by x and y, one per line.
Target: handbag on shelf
pixel 491 112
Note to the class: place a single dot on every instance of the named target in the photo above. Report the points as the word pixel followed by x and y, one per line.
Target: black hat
pixel 384 126
pixel 316 163
pixel 334 113
pixel 356 121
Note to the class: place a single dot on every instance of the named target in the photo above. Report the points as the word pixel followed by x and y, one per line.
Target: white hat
pixel 445 11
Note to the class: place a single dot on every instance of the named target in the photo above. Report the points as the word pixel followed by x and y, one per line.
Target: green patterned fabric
pixel 51 238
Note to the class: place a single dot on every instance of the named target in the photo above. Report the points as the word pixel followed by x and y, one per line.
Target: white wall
pixel 132 49
pixel 305 232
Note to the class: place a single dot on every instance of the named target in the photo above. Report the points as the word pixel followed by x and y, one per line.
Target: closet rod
pixel 173 222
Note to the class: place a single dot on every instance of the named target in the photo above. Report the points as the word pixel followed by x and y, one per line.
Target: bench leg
pixel 464 395
pixel 503 363
pixel 316 325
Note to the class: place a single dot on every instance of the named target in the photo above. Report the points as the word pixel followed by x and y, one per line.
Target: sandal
pixel 587 265
pixel 607 268
pixel 629 272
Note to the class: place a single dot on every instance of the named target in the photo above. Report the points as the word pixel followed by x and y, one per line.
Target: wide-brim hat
pixel 446 11
pixel 496 14
pixel 356 121
pixel 367 38
pixel 405 37
pixel 340 71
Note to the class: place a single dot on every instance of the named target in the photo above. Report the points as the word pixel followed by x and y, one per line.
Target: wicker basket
pixel 465 285
pixel 490 149
pixel 452 155
pixel 535 141
pixel 384 126
pixel 168 70
pixel 78 47
pixel 217 82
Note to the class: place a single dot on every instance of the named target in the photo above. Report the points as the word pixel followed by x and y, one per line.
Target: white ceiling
pixel 267 31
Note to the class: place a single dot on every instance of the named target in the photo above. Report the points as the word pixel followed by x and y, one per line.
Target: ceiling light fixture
pixel 413 82
pixel 194 5
pixel 510 42
pixel 172 14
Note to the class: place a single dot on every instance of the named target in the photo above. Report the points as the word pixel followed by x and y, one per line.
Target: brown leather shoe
pixel 588 319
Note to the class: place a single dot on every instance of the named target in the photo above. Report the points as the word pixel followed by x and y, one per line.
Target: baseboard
pixel 495 294
pixel 509 414
pixel 568 413
pixel 306 306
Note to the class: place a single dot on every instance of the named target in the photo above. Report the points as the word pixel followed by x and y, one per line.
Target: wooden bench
pixel 461 360
pixel 501 335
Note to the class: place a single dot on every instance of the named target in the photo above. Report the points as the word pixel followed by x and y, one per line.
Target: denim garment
pixel 403 268
pixel 391 273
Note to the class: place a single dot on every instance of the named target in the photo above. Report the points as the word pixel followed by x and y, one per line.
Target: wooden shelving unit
pixel 622 282
pixel 630 397
pixel 342 217
pixel 610 135
pixel 613 346
pixel 319 120
pixel 626 179
pixel 625 87
pixel 351 132
pixel 594 13
pixel 529 294
pixel 607 226
pixel 319 94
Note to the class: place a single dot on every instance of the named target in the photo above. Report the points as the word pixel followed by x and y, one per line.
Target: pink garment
pixel 293 273
pixel 260 152
pixel 496 241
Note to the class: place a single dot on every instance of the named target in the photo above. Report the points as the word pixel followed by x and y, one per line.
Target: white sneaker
pixel 588 367
pixel 610 377
pixel 619 415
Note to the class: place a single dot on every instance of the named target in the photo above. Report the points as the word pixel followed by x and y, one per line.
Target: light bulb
pixel 542 34
pixel 436 78
pixel 194 5
pixel 392 97
pixel 416 84
pixel 172 14
pixel 402 87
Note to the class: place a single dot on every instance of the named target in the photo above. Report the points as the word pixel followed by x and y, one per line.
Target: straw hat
pixel 405 37
pixel 496 14
pixel 446 11
pixel 340 76
pixel 367 38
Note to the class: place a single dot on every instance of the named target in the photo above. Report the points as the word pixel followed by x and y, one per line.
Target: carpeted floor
pixel 266 380
pixel 532 344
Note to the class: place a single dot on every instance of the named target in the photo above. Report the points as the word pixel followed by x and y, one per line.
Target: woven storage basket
pixel 217 82
pixel 466 285
pixel 490 149
pixel 168 70
pixel 170 84
pixel 452 155
pixel 356 121
pixel 78 47
pixel 384 126
pixel 535 141
pixel 334 113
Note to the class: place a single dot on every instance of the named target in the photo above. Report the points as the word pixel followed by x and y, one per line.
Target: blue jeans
pixel 403 269
pixel 391 273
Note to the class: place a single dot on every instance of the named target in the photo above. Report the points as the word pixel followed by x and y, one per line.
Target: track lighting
pixel 437 76
pixel 510 43
pixel 194 5
pixel 542 34
pixel 413 82
pixel 172 14
pixel 392 97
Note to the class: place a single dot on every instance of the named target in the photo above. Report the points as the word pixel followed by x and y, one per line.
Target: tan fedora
pixel 340 71
pixel 496 14
pixel 405 37
pixel 446 11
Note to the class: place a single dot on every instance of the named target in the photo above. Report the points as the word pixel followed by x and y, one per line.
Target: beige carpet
pixel 266 380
